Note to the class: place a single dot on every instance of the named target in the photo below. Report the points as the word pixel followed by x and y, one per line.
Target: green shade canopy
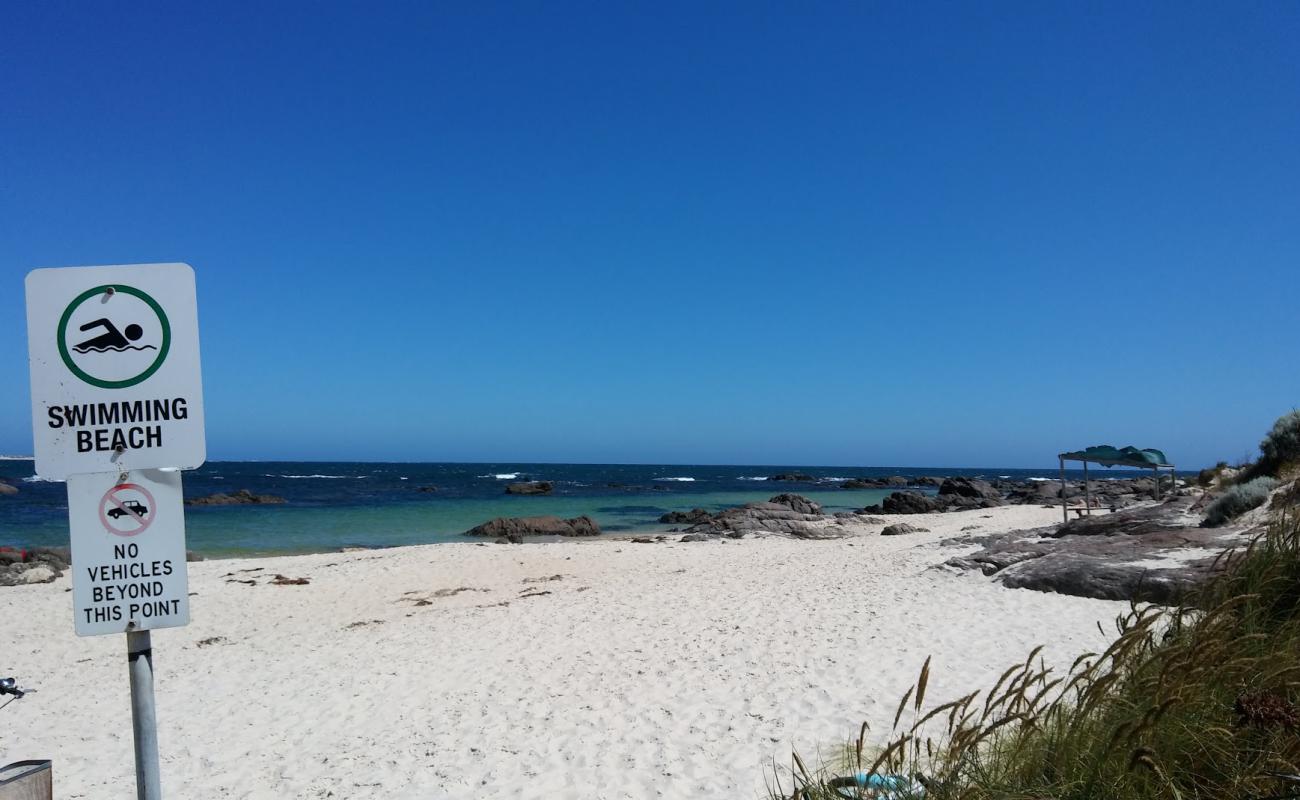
pixel 1109 456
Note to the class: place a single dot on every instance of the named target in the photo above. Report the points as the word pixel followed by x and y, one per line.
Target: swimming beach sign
pixel 114 359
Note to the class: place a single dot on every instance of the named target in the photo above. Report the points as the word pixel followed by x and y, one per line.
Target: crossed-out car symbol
pixel 128 507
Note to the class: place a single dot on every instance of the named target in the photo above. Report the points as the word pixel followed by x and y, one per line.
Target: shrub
pixel 1198 702
pixel 1281 446
pixel 1238 500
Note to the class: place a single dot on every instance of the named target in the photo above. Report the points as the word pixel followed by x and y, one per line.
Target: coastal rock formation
pixel 1152 552
pixel 900 528
pixel 530 487
pixel 772 518
pixel 793 477
pixel 893 481
pixel 693 517
pixel 239 498
pixel 797 502
pixel 37 565
pixel 969 487
pixel 905 503
pixel 7 490
pixel 507 527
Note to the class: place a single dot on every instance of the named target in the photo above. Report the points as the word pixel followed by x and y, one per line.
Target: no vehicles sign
pixel 114 357
pixel 128 552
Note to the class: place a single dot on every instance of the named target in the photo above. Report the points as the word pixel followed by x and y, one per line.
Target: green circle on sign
pixel 91 379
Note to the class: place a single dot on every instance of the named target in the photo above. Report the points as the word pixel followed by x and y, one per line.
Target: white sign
pixel 128 552
pixel 114 355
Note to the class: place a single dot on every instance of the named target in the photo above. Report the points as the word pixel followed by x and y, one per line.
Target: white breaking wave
pixel 752 478
pixel 327 477
pixel 685 480
pixel 38 479
pixel 502 476
pixel 15 458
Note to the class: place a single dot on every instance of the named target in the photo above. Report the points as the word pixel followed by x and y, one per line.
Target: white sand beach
pixel 571 670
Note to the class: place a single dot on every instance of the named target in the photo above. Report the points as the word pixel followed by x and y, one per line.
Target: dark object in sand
pixel 900 528
pixel 281 580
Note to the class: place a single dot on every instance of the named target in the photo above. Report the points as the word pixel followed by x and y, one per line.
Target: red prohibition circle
pixel 109 500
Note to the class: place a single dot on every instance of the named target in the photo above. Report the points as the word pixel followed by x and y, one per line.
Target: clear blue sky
pixel 860 233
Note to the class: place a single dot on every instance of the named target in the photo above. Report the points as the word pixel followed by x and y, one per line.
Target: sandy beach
pixel 569 670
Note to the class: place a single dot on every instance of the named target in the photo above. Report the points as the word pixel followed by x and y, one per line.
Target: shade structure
pixel 1108 456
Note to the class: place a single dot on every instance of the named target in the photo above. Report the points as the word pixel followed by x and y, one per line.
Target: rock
pixel 771 518
pixel 530 487
pixel 283 580
pixel 506 527
pixel 927 481
pixel 190 555
pixel 699 537
pixel 909 503
pixel 20 574
pixel 901 528
pixel 865 520
pixel 241 497
pixel 7 489
pixel 426 489
pixel 793 477
pixel 57 558
pixel 1137 554
pixel 642 540
pixel 797 503
pixel 969 487
pixel 693 517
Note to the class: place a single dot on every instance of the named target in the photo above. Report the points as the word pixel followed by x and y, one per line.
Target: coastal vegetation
pixel 1196 700
pixel 1201 700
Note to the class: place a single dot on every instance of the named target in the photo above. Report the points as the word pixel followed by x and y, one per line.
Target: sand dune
pixel 569 670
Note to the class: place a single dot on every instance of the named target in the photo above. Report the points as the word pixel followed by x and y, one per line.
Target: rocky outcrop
pixel 36 565
pixel 507 527
pixel 892 482
pixel 771 518
pixel 693 517
pixel 796 502
pixel 968 487
pixel 240 498
pixel 793 477
pixel 1153 552
pixel 7 490
pixel 530 487
pixel 899 528
pixel 905 503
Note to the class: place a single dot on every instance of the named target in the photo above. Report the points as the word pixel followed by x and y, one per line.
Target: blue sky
pixel 859 233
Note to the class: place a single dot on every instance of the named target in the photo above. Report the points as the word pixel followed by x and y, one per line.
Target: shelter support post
pixel 1065 514
pixel 1087 495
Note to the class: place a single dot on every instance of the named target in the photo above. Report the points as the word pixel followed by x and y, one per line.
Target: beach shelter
pixel 1108 456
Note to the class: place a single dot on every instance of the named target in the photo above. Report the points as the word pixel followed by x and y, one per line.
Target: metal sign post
pixel 117 412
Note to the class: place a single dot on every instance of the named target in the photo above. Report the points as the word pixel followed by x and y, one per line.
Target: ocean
pixel 363 504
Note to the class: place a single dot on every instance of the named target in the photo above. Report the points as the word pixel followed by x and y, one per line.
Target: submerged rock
pixel 241 497
pixel 793 477
pixel 693 517
pixel 506 527
pixel 530 487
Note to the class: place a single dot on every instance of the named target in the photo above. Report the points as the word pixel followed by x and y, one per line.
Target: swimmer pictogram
pixel 114 336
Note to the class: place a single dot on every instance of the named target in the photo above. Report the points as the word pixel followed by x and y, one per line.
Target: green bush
pixel 1238 500
pixel 1281 446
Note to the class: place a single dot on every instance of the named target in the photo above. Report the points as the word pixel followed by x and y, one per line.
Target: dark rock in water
pixel 426 489
pixel 797 503
pixel 7 489
pixel 793 477
pixel 693 517
pixel 969 487
pixel 908 503
pixel 190 555
pixel 699 537
pixel 530 487
pixel 901 528
pixel 241 497
pixel 505 527
pixel 927 481
pixel 860 483
pixel 1109 556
